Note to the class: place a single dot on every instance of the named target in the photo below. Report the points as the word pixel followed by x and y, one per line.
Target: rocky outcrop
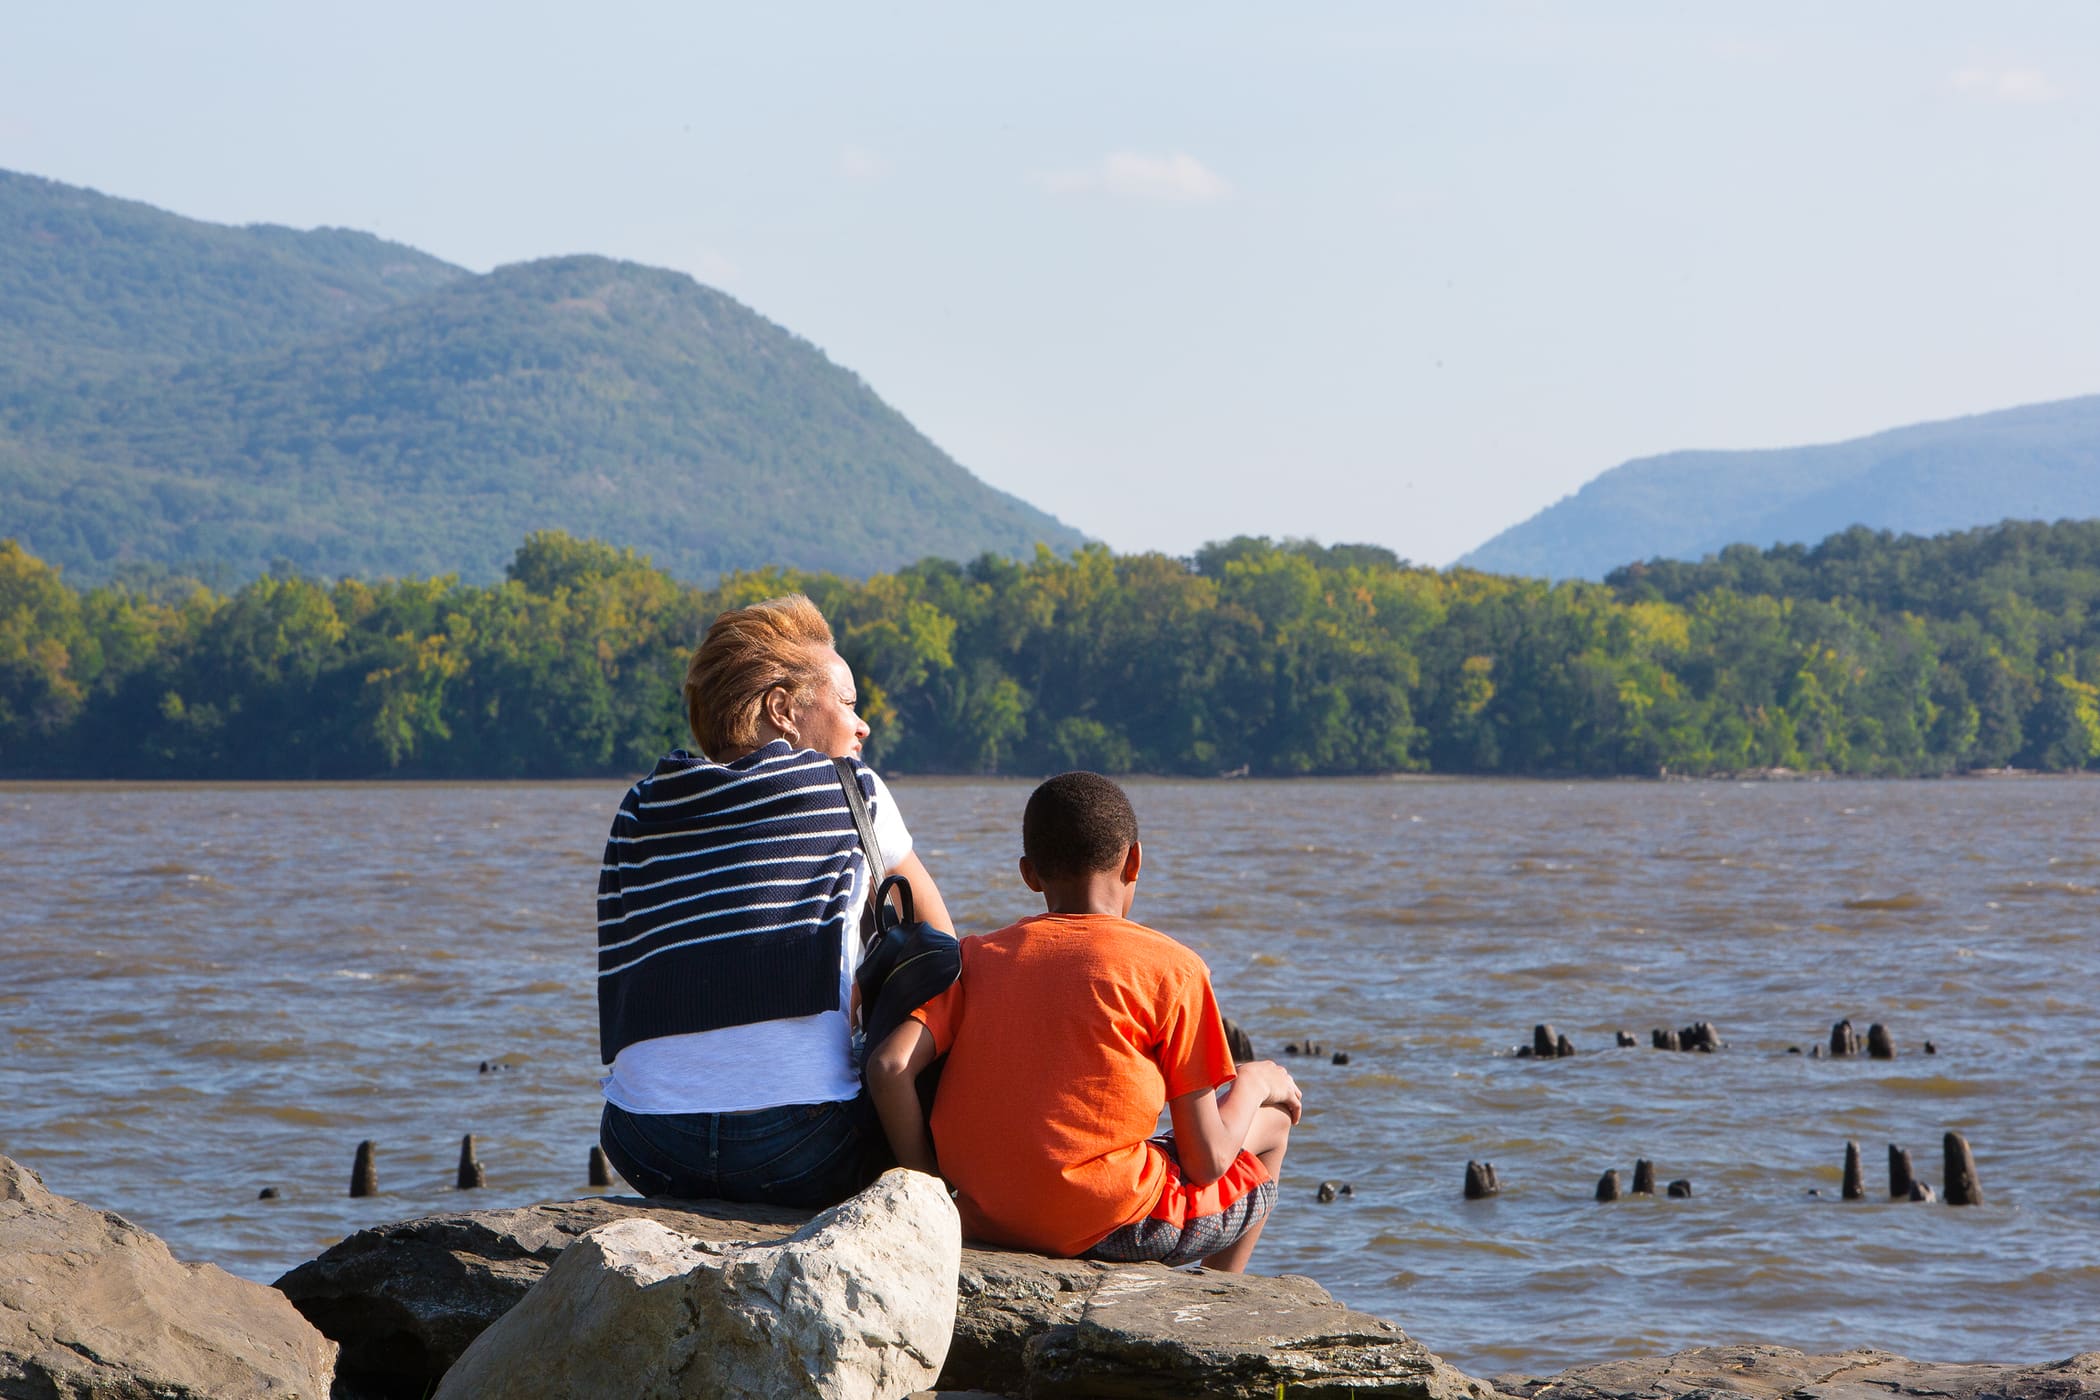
pixel 91 1305
pixel 406 1300
pixel 1770 1373
pixel 857 1305
pixel 1146 1332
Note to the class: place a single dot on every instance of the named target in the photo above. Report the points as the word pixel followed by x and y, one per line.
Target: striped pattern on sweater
pixel 725 895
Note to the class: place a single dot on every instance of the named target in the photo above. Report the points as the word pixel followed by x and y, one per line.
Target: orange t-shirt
pixel 1066 1034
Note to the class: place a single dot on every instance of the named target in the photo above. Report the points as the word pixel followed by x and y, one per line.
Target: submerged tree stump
pixel 471 1174
pixel 364 1173
pixel 1959 1174
pixel 1843 1039
pixel 1901 1178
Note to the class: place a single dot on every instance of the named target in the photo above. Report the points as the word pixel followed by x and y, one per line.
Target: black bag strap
pixel 857 804
pixel 882 903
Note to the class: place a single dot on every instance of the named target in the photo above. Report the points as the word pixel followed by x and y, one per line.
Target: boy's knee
pixel 1272 1133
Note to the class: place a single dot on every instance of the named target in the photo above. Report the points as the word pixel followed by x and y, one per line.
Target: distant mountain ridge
pixel 174 392
pixel 2039 462
pixel 91 284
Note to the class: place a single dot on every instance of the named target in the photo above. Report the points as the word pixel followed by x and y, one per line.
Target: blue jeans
pixel 809 1155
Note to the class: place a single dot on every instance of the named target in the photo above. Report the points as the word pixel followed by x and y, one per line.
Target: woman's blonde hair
pixel 747 652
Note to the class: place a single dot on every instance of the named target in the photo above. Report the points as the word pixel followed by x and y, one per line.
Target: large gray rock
pixel 405 1300
pixel 93 1306
pixel 857 1305
pixel 1152 1332
pixel 1769 1373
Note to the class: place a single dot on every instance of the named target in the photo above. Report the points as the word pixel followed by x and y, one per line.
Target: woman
pixel 729 926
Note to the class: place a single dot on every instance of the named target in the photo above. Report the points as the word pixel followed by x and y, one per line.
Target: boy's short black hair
pixel 1076 824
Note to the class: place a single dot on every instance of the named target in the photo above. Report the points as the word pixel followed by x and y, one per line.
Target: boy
pixel 1065 1035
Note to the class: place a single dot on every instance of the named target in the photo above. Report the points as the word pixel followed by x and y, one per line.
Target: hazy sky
pixel 1398 273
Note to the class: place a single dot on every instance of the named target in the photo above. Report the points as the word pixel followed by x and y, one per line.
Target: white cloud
pixel 862 166
pixel 2004 84
pixel 1178 178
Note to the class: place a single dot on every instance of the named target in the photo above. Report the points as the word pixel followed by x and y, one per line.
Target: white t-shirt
pixel 804 1059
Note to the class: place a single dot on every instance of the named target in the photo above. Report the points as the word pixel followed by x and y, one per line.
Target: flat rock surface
pixel 1147 1331
pixel 1769 1372
pixel 93 1306
pixel 405 1300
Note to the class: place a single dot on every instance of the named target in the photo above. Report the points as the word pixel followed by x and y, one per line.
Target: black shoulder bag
pixel 904 963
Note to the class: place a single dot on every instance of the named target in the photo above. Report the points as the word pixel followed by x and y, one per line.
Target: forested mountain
pixel 181 394
pixel 2041 462
pixel 1871 654
pixel 91 286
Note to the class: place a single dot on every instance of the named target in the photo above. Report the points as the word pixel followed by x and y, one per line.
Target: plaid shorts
pixel 1174 1245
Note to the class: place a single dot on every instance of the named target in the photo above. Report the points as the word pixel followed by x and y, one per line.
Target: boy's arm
pixel 1210 1129
pixel 893 1082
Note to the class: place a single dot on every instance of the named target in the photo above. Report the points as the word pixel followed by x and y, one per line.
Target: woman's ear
pixel 776 710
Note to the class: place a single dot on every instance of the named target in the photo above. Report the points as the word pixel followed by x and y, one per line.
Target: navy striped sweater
pixel 725 895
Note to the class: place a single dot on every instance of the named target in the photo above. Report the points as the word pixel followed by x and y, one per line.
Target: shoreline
pixel 10 783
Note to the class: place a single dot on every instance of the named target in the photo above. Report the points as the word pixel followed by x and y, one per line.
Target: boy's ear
pixel 1029 877
pixel 1133 861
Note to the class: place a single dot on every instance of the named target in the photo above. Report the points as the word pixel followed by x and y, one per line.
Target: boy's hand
pixel 1278 1089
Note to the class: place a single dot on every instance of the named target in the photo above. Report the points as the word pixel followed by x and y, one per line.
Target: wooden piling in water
pixel 1643 1177
pixel 1959 1175
pixel 1901 1178
pixel 1880 1044
pixel 1700 1035
pixel 1855 1178
pixel 1545 1041
pixel 1480 1181
pixel 364 1173
pixel 1679 1189
pixel 1843 1039
pixel 1608 1185
pixel 471 1174
pixel 1563 1046
pixel 1627 1040
pixel 1663 1039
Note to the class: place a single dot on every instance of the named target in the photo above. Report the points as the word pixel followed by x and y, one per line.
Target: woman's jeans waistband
pixel 807 1155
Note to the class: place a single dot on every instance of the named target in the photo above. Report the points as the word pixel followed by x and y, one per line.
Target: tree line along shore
pixel 1867 654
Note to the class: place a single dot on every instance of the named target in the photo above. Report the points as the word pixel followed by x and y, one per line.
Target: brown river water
pixel 206 990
